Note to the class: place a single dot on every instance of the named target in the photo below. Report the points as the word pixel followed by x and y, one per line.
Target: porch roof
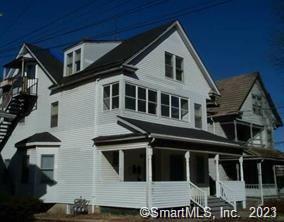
pixel 264 154
pixel 171 137
pixel 44 137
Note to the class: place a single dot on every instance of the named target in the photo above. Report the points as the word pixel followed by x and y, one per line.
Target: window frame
pixel 195 116
pixel 52 115
pixel 76 60
pixel 137 99
pixel 257 104
pixel 174 67
pixel 47 169
pixel 73 60
pixel 110 85
pixel 171 107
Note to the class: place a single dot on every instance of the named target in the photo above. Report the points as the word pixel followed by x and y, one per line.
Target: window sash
pixel 47 168
pixel 111 96
pixel 139 99
pixel 198 115
pixel 171 106
pixel 54 115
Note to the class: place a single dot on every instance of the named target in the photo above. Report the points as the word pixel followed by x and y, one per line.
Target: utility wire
pixel 118 15
pixel 166 17
pixel 52 22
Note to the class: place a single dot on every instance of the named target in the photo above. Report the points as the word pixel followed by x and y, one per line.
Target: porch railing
pixel 253 190
pixel 198 196
pixel 227 194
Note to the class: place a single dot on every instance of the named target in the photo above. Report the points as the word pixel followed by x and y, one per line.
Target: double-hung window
pixel 198 115
pixel 47 168
pixel 77 60
pixel 111 96
pixel 69 63
pixel 140 99
pixel 257 104
pixel 173 67
pixel 174 107
pixel 54 115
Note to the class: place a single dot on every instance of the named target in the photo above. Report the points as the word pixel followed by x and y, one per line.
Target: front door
pixel 177 167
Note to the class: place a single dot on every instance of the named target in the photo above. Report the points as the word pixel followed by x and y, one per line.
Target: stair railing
pixel 198 196
pixel 227 194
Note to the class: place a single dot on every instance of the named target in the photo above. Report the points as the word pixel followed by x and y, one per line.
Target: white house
pixel 246 113
pixel 122 124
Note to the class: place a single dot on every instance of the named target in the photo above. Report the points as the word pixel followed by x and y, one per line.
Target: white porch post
pixel 149 154
pixel 187 156
pixel 259 170
pixel 217 175
pixel 275 178
pixel 121 165
pixel 241 161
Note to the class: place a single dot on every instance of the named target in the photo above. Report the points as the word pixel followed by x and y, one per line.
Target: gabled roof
pixel 123 54
pixel 234 91
pixel 38 138
pixel 52 65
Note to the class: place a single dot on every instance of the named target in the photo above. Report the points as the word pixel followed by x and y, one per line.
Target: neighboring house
pixel 246 113
pixel 122 124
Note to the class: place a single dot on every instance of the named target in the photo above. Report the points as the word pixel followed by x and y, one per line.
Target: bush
pixel 19 209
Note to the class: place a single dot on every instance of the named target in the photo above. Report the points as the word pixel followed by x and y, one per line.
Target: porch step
pixel 215 205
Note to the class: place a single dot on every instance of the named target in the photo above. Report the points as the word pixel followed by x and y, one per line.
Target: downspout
pixel 96 110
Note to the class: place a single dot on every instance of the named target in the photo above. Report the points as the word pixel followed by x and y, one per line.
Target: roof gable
pixel 234 92
pixel 52 66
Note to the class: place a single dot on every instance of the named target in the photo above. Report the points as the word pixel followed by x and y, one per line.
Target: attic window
pixel 173 67
pixel 73 62
pixel 256 104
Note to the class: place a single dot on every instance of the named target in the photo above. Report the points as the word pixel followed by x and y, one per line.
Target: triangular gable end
pixel 191 49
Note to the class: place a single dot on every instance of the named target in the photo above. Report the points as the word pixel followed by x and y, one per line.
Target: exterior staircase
pixel 215 205
pixel 17 103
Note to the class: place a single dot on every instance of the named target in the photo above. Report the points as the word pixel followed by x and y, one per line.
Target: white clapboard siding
pixel 121 194
pixel 170 194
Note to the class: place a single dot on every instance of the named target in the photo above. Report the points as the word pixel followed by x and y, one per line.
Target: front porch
pixel 136 174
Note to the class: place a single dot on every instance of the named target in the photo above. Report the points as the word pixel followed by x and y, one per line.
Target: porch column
pixel 236 130
pixel 121 165
pixel 149 154
pixel 259 170
pixel 241 161
pixel 217 175
pixel 275 177
pixel 187 156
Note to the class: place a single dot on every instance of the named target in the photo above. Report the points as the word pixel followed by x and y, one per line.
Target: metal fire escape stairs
pixel 18 99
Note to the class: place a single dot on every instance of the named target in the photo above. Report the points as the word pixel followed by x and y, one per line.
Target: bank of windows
pixel 174 67
pixel 47 168
pixel 111 96
pixel 257 104
pixel 140 99
pixel 73 62
pixel 198 115
pixel 174 107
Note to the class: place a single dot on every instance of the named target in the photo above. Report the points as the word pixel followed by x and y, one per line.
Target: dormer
pixel 79 56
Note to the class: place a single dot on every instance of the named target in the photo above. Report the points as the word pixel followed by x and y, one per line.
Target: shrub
pixel 19 209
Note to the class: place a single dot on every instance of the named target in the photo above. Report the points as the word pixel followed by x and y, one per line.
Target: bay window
pixel 174 107
pixel 111 96
pixel 140 99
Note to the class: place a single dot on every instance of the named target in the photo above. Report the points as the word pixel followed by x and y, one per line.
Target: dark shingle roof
pixel 265 153
pixel 129 48
pixel 234 92
pixel 117 56
pixel 38 137
pixel 53 66
pixel 190 133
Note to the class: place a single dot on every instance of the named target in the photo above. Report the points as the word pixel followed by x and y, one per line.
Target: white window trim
pixel 73 51
pixel 136 99
pixel 110 96
pixel 202 121
pixel 170 107
pixel 174 67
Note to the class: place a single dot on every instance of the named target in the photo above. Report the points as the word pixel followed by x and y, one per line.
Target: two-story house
pixel 120 123
pixel 246 113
